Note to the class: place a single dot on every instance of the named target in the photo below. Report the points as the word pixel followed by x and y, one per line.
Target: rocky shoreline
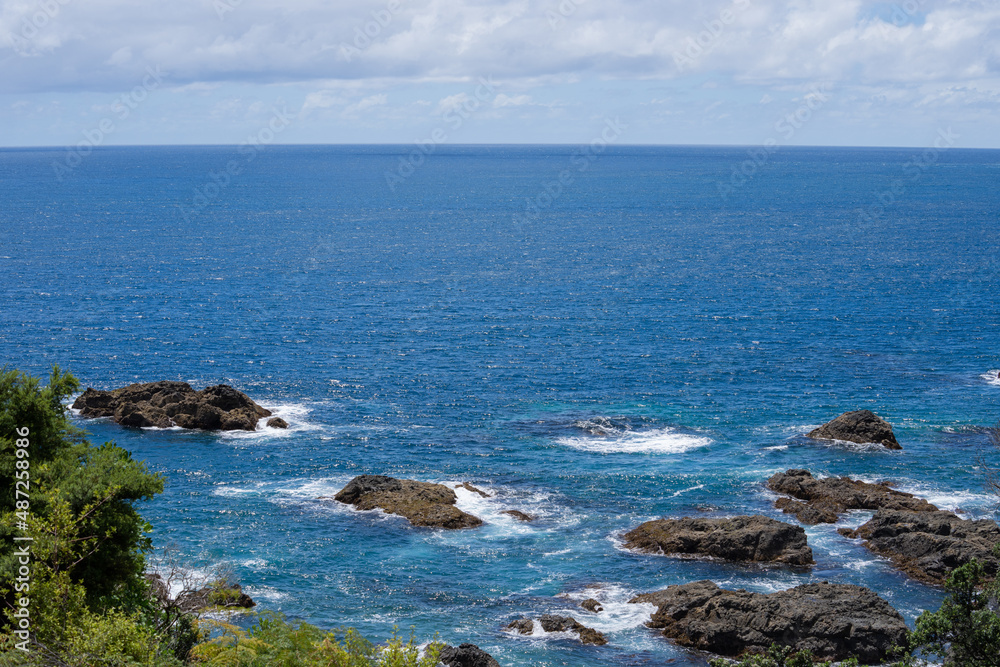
pixel 834 621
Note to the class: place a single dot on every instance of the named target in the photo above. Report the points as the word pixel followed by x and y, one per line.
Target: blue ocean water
pixel 638 343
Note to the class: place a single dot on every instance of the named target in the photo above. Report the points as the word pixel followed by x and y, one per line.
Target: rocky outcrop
pixel 423 503
pixel 471 489
pixel 590 604
pixel 277 422
pixel 861 426
pixel 166 404
pixel 929 545
pixel 220 594
pixel 823 500
pixel 834 621
pixel 466 655
pixel 519 515
pixel 553 623
pixel 740 538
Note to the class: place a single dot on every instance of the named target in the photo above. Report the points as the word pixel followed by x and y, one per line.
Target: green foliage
pixel 965 631
pixel 272 641
pixel 89 602
pixel 82 497
pixel 780 656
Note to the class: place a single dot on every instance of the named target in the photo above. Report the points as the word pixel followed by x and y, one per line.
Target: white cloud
pixel 940 58
pixel 120 57
pixel 502 100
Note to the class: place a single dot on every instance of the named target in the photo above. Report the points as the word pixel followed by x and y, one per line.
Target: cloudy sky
pixel 812 72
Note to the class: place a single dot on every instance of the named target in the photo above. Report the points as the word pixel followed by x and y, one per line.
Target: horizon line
pixel 490 145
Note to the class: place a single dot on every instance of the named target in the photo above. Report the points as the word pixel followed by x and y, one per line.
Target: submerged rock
pixel 929 545
pixel 590 604
pixel 861 426
pixel 834 621
pixel 553 623
pixel 472 489
pixel 519 515
pixel 423 503
pixel 277 422
pixel 466 655
pixel 166 404
pixel 825 499
pixel 740 538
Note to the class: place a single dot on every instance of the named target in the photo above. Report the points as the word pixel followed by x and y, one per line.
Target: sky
pixel 729 72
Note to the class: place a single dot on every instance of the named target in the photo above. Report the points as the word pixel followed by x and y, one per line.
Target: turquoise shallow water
pixel 435 332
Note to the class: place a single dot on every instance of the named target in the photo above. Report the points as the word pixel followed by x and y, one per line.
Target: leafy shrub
pixel 274 641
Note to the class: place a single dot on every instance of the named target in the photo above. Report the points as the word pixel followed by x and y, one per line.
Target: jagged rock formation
pixel 740 538
pixel 166 404
pixel 861 426
pixel 825 499
pixel 423 503
pixel 834 621
pixel 929 545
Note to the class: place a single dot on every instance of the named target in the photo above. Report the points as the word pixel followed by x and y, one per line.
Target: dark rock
pixel 469 487
pixel 423 503
pixel 741 538
pixel 826 498
pixel 277 422
pixel 466 655
pixel 211 597
pixel 861 426
pixel 834 621
pixel 929 545
pixel 590 604
pixel 553 623
pixel 522 626
pixel 166 404
pixel 519 515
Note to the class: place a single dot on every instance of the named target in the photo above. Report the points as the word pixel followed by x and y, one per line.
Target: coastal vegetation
pixel 92 602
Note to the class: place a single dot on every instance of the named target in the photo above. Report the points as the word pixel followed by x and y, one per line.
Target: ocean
pixel 596 336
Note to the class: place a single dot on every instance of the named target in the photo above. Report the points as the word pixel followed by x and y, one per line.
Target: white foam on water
pixel 865 447
pixel 992 377
pixel 965 500
pixel 233 491
pixel 618 615
pixel 561 552
pixel 776 448
pixel 180 579
pixel 659 441
pixel 683 491
pixel 547 512
pixel 268 593
pixel 296 414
